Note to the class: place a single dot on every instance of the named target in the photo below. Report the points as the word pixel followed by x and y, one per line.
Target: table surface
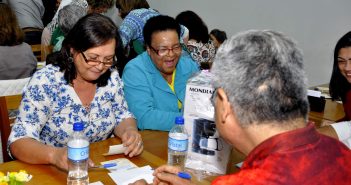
pixel 154 154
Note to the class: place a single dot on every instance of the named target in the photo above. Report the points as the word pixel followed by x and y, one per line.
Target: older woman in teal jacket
pixel 154 82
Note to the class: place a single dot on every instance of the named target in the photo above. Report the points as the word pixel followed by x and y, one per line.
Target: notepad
pixel 125 177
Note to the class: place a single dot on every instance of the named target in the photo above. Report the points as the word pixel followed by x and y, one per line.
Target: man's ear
pixel 224 103
pixel 148 50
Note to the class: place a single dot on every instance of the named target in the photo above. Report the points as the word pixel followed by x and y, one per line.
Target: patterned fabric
pixel 50 107
pixel 201 52
pixel 301 156
pixel 133 24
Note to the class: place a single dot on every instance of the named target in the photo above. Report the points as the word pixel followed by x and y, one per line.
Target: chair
pixel 37 51
pixel 45 50
pixel 10 97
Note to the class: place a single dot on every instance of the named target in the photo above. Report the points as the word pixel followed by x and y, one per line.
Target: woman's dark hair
pixel 90 31
pixel 126 6
pixel 197 28
pixel 338 85
pixel 10 32
pixel 157 24
pixel 221 36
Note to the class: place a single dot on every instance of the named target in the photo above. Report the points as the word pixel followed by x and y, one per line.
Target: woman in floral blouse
pixel 82 85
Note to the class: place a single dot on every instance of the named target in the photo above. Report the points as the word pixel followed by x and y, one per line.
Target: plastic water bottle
pixel 78 154
pixel 177 144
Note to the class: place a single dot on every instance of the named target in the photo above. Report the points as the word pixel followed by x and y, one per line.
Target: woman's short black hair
pixel 90 31
pixel 157 24
pixel 197 27
pixel 338 85
pixel 220 35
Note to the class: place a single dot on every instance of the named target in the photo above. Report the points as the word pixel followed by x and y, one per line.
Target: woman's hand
pixel 128 132
pixel 60 159
pixel 132 140
pixel 169 175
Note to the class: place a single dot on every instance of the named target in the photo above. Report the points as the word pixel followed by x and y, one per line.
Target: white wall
pixel 316 25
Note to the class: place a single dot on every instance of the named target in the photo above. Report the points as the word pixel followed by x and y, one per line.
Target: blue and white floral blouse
pixel 50 107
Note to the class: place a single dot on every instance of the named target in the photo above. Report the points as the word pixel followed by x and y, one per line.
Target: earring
pixel 70 60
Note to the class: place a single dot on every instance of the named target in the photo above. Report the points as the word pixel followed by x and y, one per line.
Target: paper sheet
pixel 115 149
pixel 126 177
pixel 96 183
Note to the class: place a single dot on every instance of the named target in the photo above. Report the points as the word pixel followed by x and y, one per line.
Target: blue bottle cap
pixel 179 120
pixel 79 126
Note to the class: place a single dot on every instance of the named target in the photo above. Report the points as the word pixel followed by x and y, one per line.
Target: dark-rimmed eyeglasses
pixel 94 62
pixel 177 49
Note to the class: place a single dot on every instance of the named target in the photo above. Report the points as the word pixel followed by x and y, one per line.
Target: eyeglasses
pixel 177 49
pixel 95 62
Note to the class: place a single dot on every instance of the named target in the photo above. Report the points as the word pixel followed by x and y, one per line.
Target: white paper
pixel 314 93
pixel 115 149
pixel 126 177
pixel 122 164
pixel 96 183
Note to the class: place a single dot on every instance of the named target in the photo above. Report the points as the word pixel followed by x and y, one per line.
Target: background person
pixel 82 86
pixel 218 37
pixel 29 15
pixel 340 89
pixel 199 45
pixel 92 6
pixel 154 81
pixel 17 59
pixel 135 13
pixel 67 18
pixel 261 109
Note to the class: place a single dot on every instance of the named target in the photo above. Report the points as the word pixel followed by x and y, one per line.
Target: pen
pixel 107 165
pixel 184 175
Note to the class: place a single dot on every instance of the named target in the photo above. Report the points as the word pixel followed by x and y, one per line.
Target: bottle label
pixel 180 145
pixel 77 154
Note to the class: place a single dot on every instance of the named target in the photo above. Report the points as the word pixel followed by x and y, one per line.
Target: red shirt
pixel 299 157
pixel 347 107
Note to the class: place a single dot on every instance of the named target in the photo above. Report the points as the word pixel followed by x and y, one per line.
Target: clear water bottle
pixel 78 155
pixel 177 144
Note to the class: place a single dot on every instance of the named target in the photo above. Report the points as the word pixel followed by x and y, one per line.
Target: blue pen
pixel 107 165
pixel 184 175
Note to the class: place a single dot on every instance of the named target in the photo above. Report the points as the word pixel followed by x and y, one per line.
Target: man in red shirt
pixel 261 109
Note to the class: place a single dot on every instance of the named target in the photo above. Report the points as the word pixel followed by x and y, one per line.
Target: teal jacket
pixel 148 95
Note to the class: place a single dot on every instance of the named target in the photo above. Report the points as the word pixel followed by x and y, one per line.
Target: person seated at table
pixel 261 109
pixel 17 59
pixel 154 81
pixel 340 89
pixel 82 86
pixel 340 81
pixel 218 37
pixel 199 45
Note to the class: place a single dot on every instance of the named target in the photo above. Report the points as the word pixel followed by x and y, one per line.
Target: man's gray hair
pixel 69 15
pixel 262 74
